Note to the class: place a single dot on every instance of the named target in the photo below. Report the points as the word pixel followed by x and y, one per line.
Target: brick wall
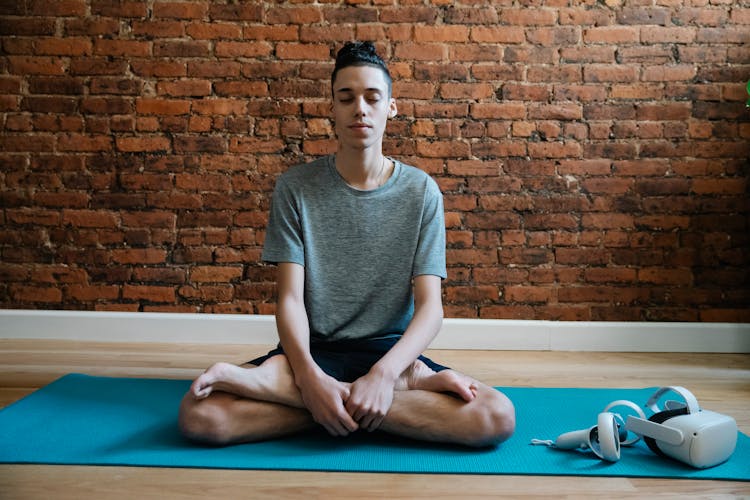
pixel 592 154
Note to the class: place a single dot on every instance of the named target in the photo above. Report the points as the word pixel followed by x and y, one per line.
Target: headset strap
pixel 660 432
pixel 632 406
pixel 690 401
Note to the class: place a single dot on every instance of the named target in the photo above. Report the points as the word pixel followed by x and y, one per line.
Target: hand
pixel 324 398
pixel 370 399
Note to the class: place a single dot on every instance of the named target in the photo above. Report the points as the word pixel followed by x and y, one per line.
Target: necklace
pixel 381 179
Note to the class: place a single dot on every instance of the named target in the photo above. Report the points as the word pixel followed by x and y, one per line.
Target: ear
pixel 392 109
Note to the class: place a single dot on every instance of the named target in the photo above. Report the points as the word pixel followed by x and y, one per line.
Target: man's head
pixel 360 54
pixel 361 91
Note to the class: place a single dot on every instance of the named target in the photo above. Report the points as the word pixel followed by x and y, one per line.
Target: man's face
pixel 361 106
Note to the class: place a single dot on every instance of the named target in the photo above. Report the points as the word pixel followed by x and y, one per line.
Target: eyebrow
pixel 369 89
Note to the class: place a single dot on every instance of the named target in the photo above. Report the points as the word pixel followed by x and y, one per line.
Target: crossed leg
pixel 232 404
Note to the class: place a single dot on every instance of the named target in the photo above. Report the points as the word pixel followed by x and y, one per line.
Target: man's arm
pixel 372 394
pixel 323 395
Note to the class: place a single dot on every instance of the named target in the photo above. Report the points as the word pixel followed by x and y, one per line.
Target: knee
pixel 204 421
pixel 495 421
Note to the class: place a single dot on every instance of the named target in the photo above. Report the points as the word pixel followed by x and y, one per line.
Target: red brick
pixel 608 221
pixel 473 168
pixel 35 65
pixel 181 10
pixel 83 143
pixel 150 106
pixel 214 107
pixel 677 72
pixel 236 12
pixel 728 186
pixel 555 150
pixel 242 49
pixel 139 256
pixel 26 26
pixel 477 15
pixel 662 276
pixel 214 31
pixel 140 144
pixel 472 294
pixel 134 48
pixel 474 91
pixel 658 34
pixel 159 29
pixel 409 14
pixel 610 73
pixel 35 294
pixel 498 34
pixel 164 294
pixel 498 111
pixel 65 47
pixel 413 90
pixel 61 8
pixel 160 68
pixel 215 274
pixel 528 17
pixel 89 218
pixel 421 52
pixel 611 35
pixel 443 149
pixel 319 52
pixel 445 33
pixel 91 293
pixel 197 48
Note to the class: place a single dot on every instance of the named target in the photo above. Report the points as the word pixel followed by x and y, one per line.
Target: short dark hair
pixel 360 54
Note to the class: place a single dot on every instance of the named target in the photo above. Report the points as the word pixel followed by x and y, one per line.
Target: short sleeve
pixel 283 241
pixel 430 254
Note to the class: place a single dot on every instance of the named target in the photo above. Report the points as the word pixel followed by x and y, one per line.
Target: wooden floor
pixel 720 381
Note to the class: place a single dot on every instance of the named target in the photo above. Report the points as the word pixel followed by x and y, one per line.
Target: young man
pixel 359 240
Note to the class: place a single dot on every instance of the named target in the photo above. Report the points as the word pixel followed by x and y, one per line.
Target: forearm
pixel 422 330
pixel 294 335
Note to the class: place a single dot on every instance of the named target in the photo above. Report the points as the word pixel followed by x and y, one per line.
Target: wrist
pixel 384 372
pixel 306 371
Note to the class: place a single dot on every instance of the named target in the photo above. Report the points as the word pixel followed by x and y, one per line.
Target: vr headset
pixel 683 431
pixel 679 430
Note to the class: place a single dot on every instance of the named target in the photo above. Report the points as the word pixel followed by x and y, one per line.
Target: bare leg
pixel 225 419
pixel 273 381
pixel 486 420
pixel 421 377
pixel 229 404
pixel 485 417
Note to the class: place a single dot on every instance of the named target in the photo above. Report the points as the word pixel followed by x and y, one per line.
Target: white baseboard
pixel 456 333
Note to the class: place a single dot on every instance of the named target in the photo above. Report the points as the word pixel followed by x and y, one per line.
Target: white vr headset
pixel 680 430
pixel 683 431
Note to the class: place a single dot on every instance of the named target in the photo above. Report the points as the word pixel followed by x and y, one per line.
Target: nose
pixel 360 106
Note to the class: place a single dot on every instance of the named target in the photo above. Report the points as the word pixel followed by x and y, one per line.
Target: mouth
pixel 359 126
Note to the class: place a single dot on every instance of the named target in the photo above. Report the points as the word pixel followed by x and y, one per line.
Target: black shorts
pixel 348 360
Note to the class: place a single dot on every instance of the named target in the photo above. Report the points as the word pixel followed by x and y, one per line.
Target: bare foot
pixel 421 377
pixel 272 381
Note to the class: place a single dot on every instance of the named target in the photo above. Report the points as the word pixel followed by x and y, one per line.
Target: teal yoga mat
pixel 86 420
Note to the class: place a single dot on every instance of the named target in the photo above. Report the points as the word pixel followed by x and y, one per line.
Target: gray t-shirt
pixel 360 249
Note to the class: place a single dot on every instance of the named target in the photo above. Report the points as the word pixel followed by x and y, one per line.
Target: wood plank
pixel 720 381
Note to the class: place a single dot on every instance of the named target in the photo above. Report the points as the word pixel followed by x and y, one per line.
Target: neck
pixel 363 169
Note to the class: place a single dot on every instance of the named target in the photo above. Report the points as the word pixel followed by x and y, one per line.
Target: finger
pixel 375 424
pixel 466 393
pixel 335 428
pixel 332 430
pixel 358 413
pixel 348 423
pixel 200 392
